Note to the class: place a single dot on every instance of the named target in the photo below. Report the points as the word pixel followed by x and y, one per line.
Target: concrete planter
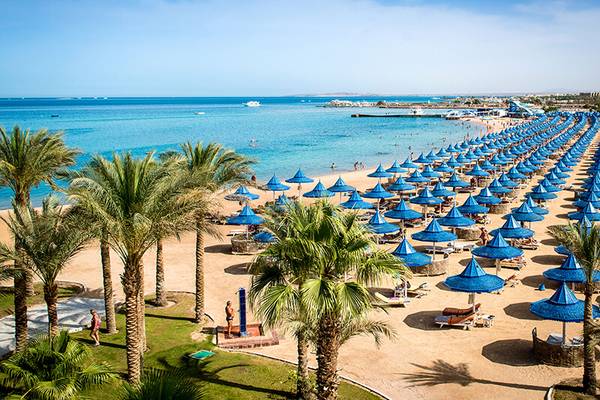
pixel 437 267
pixel 242 245
pixel 500 209
pixel 468 233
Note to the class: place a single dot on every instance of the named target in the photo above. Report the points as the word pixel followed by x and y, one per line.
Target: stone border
pixel 342 377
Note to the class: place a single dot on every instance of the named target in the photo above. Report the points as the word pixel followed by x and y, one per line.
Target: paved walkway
pixel 73 315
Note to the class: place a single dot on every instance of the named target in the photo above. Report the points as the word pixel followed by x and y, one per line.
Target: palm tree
pixel 49 239
pixel 211 168
pixel 159 384
pixel 134 199
pixel 332 300
pixel 584 243
pixel 303 281
pixel 279 274
pixel 58 368
pixel 26 160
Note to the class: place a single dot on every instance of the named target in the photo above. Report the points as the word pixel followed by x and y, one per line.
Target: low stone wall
pixel 499 209
pixel 555 354
pixel 469 233
pixel 437 267
pixel 242 245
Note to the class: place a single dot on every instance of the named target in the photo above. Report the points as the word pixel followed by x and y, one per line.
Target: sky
pixel 285 47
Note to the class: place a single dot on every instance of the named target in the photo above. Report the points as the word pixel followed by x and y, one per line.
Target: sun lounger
pixel 440 250
pixel 517 263
pixel 461 311
pixel 463 321
pixel 512 281
pixel 419 291
pixel 236 232
pixel 392 301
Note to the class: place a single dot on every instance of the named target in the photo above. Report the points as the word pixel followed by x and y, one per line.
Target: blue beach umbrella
pixel 400 185
pixel 524 213
pixel 513 173
pixel 477 172
pixel 462 159
pixel 432 156
pixel 496 187
pixel 416 177
pixel 410 256
pixel 444 168
pixel 511 229
pixel 275 185
pixel 378 192
pixel 426 198
pixel 453 163
pixel 485 196
pixel 534 207
pixel 380 172
pixel 408 164
pixel 281 202
pixel 562 250
pixel 455 219
pixel 318 191
pixel 434 234
pixel 591 198
pixel 243 193
pixel 569 271
pixel 487 166
pixel 589 211
pixel 396 168
pixel 340 186
pixel 507 182
pixel 563 306
pixel 455 182
pixel 299 178
pixel 403 212
pixel 440 191
pixel 422 159
pixel 355 202
pixel 246 217
pixel 497 249
pixel 549 186
pixel 471 206
pixel 474 279
pixel 378 225
pixel 264 237
pixel 428 172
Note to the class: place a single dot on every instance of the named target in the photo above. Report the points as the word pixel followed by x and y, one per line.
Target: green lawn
pixel 7 298
pixel 226 375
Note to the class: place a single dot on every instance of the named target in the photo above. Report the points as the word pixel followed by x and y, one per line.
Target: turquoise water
pixel 283 134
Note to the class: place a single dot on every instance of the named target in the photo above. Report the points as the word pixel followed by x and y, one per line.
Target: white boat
pixel 252 103
pixel 199 113
pixel 416 111
pixel 455 114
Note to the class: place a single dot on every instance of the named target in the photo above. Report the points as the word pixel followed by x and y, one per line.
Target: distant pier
pixel 397 116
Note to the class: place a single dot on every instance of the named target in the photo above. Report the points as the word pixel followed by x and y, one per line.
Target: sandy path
pixel 453 363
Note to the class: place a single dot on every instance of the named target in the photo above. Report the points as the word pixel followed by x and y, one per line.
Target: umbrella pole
pixel 433 257
pixel 564 335
pixel 497 261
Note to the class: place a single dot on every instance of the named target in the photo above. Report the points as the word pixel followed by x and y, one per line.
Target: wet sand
pixel 423 362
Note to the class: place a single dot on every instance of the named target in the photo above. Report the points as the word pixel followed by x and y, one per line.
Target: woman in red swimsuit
pixel 95 327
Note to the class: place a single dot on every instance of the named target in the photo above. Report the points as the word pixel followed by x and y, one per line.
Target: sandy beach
pixel 447 363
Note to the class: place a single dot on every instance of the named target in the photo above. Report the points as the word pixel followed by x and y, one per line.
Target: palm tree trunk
pixel 328 344
pixel 303 386
pixel 161 296
pixel 20 302
pixel 589 349
pixel 130 281
pixel 109 301
pixel 51 298
pixel 30 291
pixel 199 308
pixel 142 314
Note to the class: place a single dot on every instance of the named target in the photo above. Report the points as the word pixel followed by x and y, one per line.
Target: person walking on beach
pixel 229 314
pixel 483 236
pixel 95 327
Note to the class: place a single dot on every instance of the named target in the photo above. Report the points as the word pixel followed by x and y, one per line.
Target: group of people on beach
pixel 359 165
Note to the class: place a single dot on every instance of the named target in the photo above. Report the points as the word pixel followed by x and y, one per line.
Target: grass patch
pixel 567 392
pixel 226 375
pixel 7 298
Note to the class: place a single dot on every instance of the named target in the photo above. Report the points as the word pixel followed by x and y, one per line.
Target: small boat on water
pixel 54 116
pixel 416 111
pixel 454 114
pixel 199 113
pixel 252 103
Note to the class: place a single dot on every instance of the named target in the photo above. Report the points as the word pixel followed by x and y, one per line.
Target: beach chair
pixel 512 281
pixel 452 311
pixel 464 321
pixel 518 263
pixel 391 301
pixel 419 291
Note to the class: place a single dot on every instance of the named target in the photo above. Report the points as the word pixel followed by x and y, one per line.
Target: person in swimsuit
pixel 229 313
pixel 95 327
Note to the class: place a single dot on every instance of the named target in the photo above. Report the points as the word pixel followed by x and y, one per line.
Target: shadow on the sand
pixel 514 352
pixel 218 248
pixel 569 206
pixel 520 311
pixel 535 280
pixel 442 286
pixel 423 320
pixel 549 242
pixel 442 372
pixel 549 259
pixel 238 269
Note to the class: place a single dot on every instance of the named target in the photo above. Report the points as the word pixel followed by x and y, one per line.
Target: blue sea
pixel 283 134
